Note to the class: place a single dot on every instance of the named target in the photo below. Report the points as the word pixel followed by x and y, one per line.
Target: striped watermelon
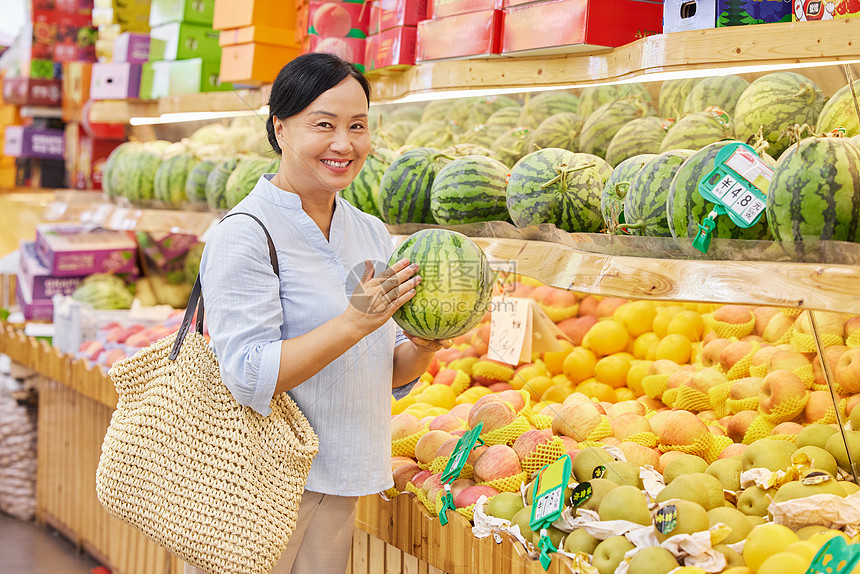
pixel 482 135
pixel 506 117
pixel 639 136
pixel 696 131
pixel 593 97
pixel 404 191
pixel 195 185
pixel 645 202
pixel 721 91
pixel 437 110
pixel 139 177
pixel 114 170
pixel 556 186
pixel 775 102
pixel 687 208
pixel 464 149
pixel 602 125
pixel 456 284
pixel 243 179
pixel 405 113
pixel 363 192
pixel 856 139
pixel 395 134
pixel 815 192
pixel 612 197
pixel 437 134
pixel 673 95
pixel 169 183
pixel 840 111
pixel 468 190
pixel 216 184
pixel 477 110
pixel 511 146
pixel 559 131
pixel 604 170
pixel 545 104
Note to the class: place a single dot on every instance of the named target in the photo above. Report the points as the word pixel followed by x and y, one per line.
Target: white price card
pixel 548 504
pixel 510 330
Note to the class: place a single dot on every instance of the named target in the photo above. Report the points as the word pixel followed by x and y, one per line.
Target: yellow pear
pixel 692 518
pixel 765 541
pixel 652 560
pixel 580 541
pixel 625 503
pixel 734 519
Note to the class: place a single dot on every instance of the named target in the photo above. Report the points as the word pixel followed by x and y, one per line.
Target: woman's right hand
pixel 375 299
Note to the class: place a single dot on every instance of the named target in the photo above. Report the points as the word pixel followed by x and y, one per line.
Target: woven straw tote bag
pixel 214 482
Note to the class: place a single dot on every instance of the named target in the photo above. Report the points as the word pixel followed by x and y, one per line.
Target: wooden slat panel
pixel 360 552
pixel 376 555
pixel 393 560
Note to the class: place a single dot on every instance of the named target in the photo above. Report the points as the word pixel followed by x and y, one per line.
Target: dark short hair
pixel 302 81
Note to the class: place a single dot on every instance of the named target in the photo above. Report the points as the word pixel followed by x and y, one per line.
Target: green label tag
pixel 835 557
pixel 598 472
pixel 461 453
pixel 581 493
pixel 548 493
pixel 667 519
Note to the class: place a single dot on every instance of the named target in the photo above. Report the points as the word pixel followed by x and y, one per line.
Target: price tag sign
pixel 598 472
pixel 455 466
pixel 835 557
pixel 737 186
pixel 548 493
pixel 667 519
pixel 510 330
pixel 581 493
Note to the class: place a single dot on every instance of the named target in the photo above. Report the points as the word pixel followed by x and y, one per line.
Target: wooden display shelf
pixel 121 111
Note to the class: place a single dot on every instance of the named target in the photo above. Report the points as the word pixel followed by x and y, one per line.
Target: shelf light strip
pixel 177 117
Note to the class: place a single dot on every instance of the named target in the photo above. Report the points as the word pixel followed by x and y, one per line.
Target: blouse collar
pixel 274 194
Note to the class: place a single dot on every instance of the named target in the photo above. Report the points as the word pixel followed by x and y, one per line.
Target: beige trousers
pixel 322 540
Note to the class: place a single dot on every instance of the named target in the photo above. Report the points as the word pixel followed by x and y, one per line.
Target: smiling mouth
pixel 336 164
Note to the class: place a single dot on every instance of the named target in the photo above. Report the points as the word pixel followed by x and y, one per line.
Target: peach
pixel 679 378
pixel 418 479
pixel 711 351
pixel 527 443
pixel 640 455
pixel 745 388
pixel 588 305
pixel 447 423
pixel 705 379
pixel 734 314
pixel 404 425
pixel 113 356
pixel 848 371
pixel 513 398
pixel 763 355
pixel 817 406
pixel 403 474
pixel 832 354
pixel 491 398
pixel 428 445
pixel 432 486
pixel 733 353
pixel 781 388
pixel 629 424
pixel 576 420
pixel 475 454
pixel 650 403
pixel 576 327
pixel 789 428
pixel 828 323
pixel 663 367
pixel 400 461
pixel 736 449
pixel 763 315
pixel 623 407
pixel 461 411
pixel 739 424
pixel 447 447
pixel 851 325
pixel 777 327
pixel 682 428
pixel 494 415
pixel 445 377
pixel 498 461
pixel 470 495
pixel 608 305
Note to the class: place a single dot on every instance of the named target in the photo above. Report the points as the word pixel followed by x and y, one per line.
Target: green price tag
pixel 455 466
pixel 667 519
pixel 835 557
pixel 737 186
pixel 548 497
pixel 598 472
pixel 581 493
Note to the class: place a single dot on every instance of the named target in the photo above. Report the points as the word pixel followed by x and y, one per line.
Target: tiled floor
pixel 26 548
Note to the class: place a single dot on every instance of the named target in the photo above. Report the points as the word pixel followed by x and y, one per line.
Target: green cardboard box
pixel 155 80
pixel 189 11
pixel 196 75
pixel 183 41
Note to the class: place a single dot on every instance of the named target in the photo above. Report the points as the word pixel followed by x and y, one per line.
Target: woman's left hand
pixel 428 345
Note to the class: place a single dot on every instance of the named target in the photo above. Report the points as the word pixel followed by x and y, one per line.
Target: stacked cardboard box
pixel 338 28
pixel 681 15
pixel 113 17
pixel 257 38
pixel 460 29
pixel 393 32
pixel 9 116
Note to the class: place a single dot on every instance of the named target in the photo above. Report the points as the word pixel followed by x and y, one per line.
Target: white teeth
pixel 335 163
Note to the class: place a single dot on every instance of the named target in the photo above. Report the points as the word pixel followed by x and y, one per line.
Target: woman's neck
pixel 319 206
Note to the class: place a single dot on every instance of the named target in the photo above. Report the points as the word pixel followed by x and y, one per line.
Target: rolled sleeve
pixel 400 392
pixel 243 311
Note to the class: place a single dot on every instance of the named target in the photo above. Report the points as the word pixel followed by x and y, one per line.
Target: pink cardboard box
pixel 350 49
pixel 388 14
pixel 445 8
pixel 74 250
pixel 37 278
pixel 115 81
pixel 33 309
pixel 394 47
pixel 461 36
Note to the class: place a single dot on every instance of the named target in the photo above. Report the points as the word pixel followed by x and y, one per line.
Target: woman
pixel 313 332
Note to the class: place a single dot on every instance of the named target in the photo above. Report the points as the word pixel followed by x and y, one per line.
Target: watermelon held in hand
pixel 815 193
pixel 645 203
pixel 470 189
pixel 456 284
pixel 612 198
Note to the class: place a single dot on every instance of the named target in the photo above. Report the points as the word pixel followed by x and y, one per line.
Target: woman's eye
pixel 358 126
pixel 324 125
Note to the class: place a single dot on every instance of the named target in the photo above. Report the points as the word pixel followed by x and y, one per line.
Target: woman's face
pixel 324 146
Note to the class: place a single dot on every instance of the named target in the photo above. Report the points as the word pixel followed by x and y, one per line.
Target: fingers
pixel 368 271
pixel 394 269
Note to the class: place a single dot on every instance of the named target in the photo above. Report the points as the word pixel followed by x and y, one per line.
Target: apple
pixel 461 411
pixel 418 479
pixel 851 325
pixel 734 314
pixel 786 361
pixel 832 354
pixel 447 447
pixel 639 455
pixel 623 407
pixel 113 356
pixel 588 305
pixel 527 443
pixel 475 454
pixel 733 353
pixel 682 428
pixel 847 373
pixel 711 351
pixel 679 378
pixel 404 425
pixel 745 388
pixel 782 393
pixel 571 446
pixel 576 420
pixel 777 327
pixel 629 424
pixel 739 424
pixel 607 306
pixel 651 404
pixel 668 457
pixel 460 485
pixel 763 316
pixel 498 461
pixel 433 486
pixel 403 474
pixel 470 495
pixel 513 398
pixel 447 423
pixel 828 323
pixel 576 327
pixel 763 355
pixel 480 339
pixel 428 445
pixel 819 403
pixel 494 415
pixel 705 379
pixel 787 428
pixel 400 461
pixel 657 419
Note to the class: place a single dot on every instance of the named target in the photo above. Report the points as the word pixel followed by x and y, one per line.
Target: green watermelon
pixel 140 168
pixel 645 202
pixel 615 189
pixel 406 113
pixel 602 125
pixel 815 192
pixel 856 139
pixel 216 184
pixel 437 110
pixel 721 91
pixel 774 102
pixel 437 134
pixel 464 149
pixel 594 97
pixel 468 190
pixel 404 191
pixel 456 284
pixel 482 135
pixel 243 179
pixel 195 185
pixel 559 131
pixel 673 95
pixel 556 186
pixel 363 192
pixel 396 134
pixel 696 131
pixel 478 110
pixel 169 183
pixel 841 111
pixel 636 137
pixel 604 170
pixel 545 104
pixel 505 117
pixel 114 170
pixel 686 208
pixel 511 146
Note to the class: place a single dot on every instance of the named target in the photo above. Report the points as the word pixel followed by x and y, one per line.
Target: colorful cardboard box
pixel 254 63
pixel 32 91
pixel 242 13
pixel 71 6
pixel 137 48
pixel 393 47
pixel 115 81
pixel 33 309
pixel 154 80
pixel 196 75
pixel 76 250
pixel 190 11
pixel 183 41
pixel 445 8
pixel 86 156
pixel 258 35
pixel 63 37
pixel 334 19
pixel 77 77
pixel 579 25
pixel 679 15
pixel 387 14
pixel 806 10
pixel 21 141
pixel 40 173
pixel 350 49
pixel 460 36
pixel 37 278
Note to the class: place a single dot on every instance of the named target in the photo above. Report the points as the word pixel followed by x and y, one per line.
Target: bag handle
pixel 195 300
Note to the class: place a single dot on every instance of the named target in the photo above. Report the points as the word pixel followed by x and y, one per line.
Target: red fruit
pixel 498 461
pixel 576 327
pixel 331 19
pixel 470 495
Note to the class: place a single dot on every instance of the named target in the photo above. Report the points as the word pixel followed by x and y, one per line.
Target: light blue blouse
pixel 249 312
